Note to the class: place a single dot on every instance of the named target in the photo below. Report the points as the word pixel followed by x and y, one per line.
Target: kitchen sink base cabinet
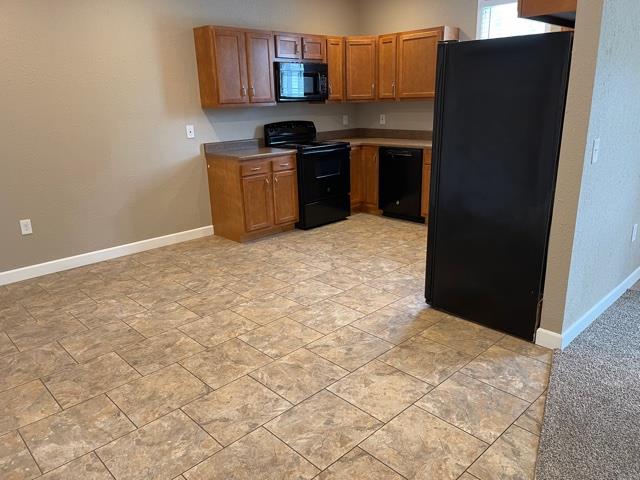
pixel 252 198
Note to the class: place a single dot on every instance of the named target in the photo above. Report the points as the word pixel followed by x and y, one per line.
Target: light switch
pixel 596 151
pixel 25 226
pixel 191 131
pixel 345 120
pixel 383 119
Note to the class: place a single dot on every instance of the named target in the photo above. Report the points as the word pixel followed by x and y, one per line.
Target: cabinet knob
pixel 284 164
pixel 243 91
pixel 393 86
pixel 373 87
pixel 255 169
pixel 266 179
pixel 253 90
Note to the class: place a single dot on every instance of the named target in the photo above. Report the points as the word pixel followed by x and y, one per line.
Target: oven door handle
pixel 328 150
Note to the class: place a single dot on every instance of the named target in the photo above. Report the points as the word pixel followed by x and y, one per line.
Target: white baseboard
pixel 32 271
pixel 550 339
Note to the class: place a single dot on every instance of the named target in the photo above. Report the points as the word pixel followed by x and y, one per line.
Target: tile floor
pixel 305 355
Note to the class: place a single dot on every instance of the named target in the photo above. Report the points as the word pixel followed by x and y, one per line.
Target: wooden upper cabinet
pixel 314 47
pixel 387 61
pixel 288 46
pixel 417 55
pixel 335 62
pixel 259 46
pixel 231 66
pixel 285 197
pixel 558 12
pixel 361 68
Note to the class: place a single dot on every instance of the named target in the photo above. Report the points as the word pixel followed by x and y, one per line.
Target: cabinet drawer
pixel 255 167
pixel 283 163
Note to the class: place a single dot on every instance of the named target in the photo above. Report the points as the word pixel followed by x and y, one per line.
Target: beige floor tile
pixel 258 286
pixel 157 394
pixel 413 303
pixel 266 309
pixel 161 319
pixel 467 476
pixel 326 316
pixel 513 455
pixel 54 327
pixel 295 272
pixel 394 325
pixel 19 368
pixel 161 293
pixel 463 336
pixel 531 420
pixel 426 360
pixel 519 375
pixel 212 301
pixel 162 449
pixel 16 463
pixel 88 467
pixel 380 390
pixel 6 345
pixel 24 289
pixel 309 292
pixel 25 404
pixel 365 299
pixel 100 340
pixel 236 409
pixel 398 283
pixel 112 287
pixel 258 455
pixel 344 278
pixel 218 328
pixel 200 282
pixel 298 375
pixel 475 407
pixel 160 351
pixel 105 311
pixel 377 266
pixel 323 428
pixel 281 337
pixel 412 444
pixel 358 464
pixel 14 316
pixel 349 347
pixel 72 433
pixel 81 382
pixel 45 305
pixel 225 362
pixel 527 349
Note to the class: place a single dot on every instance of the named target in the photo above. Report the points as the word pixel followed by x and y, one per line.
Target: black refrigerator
pixel 498 119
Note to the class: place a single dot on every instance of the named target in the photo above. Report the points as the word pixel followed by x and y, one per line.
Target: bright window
pixel 499 18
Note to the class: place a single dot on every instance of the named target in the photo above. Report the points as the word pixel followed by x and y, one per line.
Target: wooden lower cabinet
pixel 371 174
pixel 357 179
pixel 426 181
pixel 285 197
pixel 252 198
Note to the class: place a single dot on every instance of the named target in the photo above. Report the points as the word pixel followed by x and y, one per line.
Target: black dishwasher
pixel 400 183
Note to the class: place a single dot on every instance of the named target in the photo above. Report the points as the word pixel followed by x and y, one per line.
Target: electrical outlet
pixel 25 226
pixel 383 119
pixel 634 233
pixel 345 120
pixel 191 131
pixel 596 151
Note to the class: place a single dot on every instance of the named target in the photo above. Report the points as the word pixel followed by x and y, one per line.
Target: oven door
pixel 324 173
pixel 300 82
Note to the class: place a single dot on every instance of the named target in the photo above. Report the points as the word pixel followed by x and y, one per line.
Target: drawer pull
pixel 284 164
pixel 255 169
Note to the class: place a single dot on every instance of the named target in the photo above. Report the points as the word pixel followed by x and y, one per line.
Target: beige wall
pixel 94 97
pixel 592 249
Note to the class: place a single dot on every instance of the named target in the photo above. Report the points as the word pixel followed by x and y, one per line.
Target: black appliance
pixel 300 82
pixel 499 110
pixel 400 184
pixel 323 172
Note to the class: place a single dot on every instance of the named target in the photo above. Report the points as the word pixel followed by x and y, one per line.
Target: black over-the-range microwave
pixel 301 82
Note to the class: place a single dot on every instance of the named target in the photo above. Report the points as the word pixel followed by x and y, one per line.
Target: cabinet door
pixel 387 58
pixel 313 47
pixel 426 181
pixel 259 47
pixel 361 68
pixel 335 61
pixel 257 197
pixel 370 159
pixel 417 54
pixel 231 61
pixel 357 177
pixel 285 197
pixel 288 46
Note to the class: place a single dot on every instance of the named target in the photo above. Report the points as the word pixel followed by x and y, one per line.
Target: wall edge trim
pixel 67 263
pixel 549 339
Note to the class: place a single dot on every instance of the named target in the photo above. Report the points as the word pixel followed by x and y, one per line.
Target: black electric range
pixel 323 172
